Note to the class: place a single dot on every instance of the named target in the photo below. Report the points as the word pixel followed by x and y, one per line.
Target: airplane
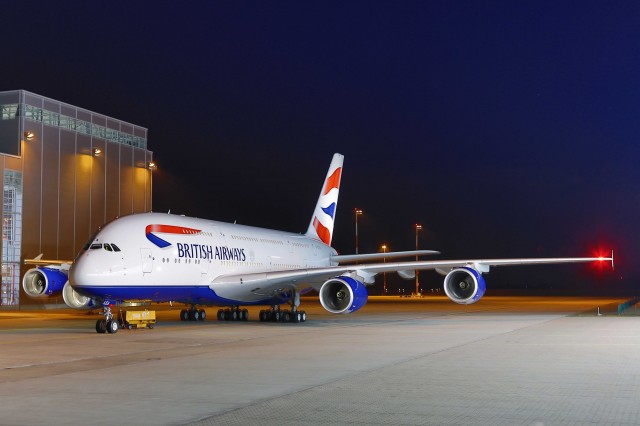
pixel 161 257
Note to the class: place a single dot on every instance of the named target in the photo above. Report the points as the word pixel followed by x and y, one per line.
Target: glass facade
pixel 11 238
pixel 31 107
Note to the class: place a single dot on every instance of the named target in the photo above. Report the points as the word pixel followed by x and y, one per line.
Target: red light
pixel 602 255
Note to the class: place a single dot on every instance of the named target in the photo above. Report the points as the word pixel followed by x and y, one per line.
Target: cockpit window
pixel 115 247
pixel 107 247
pixel 95 246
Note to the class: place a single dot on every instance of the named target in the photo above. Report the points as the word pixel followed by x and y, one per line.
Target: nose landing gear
pixel 108 324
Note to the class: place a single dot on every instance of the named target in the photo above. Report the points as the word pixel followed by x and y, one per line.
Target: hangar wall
pixel 66 171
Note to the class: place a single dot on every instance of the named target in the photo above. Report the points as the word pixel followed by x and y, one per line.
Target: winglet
pixel 612 265
pixel 321 226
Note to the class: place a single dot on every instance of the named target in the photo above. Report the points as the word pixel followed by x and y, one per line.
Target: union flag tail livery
pixel 158 257
pixel 321 226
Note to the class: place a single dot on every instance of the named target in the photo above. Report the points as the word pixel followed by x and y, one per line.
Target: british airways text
pixel 202 251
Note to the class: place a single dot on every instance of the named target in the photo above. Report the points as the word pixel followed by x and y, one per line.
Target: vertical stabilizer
pixel 321 226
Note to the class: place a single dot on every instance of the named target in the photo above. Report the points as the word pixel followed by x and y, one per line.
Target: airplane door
pixel 147 260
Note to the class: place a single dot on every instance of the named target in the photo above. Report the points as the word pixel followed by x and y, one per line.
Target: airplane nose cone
pixel 80 272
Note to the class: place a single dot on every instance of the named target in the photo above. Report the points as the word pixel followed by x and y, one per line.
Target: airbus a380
pixel 157 257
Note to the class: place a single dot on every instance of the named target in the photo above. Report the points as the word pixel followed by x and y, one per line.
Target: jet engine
pixel 43 282
pixel 343 295
pixel 464 285
pixel 75 300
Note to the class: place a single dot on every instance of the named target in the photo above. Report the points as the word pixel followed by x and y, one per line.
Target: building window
pixel 11 238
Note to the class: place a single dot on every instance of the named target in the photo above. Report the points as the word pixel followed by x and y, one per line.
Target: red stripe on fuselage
pixel 170 229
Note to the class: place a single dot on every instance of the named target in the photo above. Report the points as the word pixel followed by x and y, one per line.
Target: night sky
pixel 507 129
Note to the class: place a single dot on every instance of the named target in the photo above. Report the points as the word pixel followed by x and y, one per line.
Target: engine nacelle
pixel 464 285
pixel 75 300
pixel 43 282
pixel 343 295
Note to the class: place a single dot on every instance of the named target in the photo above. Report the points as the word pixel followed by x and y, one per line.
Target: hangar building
pixel 65 171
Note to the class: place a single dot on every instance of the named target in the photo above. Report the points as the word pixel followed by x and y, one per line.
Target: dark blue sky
pixel 506 129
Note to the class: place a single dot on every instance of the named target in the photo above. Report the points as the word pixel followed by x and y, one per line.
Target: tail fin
pixel 321 226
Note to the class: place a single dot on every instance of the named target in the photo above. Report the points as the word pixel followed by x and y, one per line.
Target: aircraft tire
pixel 297 317
pixel 184 315
pixel 303 316
pixel 112 327
pixel 203 314
pixel 101 326
pixel 245 315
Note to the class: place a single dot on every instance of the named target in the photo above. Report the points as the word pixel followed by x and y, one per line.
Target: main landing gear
pixel 233 314
pixel 276 315
pixel 108 323
pixel 193 314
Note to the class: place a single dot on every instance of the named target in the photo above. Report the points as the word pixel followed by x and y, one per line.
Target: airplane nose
pixel 80 272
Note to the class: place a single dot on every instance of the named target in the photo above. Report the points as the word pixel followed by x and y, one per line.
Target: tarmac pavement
pixel 515 361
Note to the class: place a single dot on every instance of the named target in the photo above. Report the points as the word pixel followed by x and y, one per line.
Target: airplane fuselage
pixel 162 257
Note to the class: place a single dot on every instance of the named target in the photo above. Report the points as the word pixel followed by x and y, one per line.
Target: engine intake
pixel 43 282
pixel 343 295
pixel 464 285
pixel 75 300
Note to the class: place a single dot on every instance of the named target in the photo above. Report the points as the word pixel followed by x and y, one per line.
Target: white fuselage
pixel 163 257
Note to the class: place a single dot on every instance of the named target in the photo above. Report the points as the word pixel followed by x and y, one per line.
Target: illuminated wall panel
pixel 65 192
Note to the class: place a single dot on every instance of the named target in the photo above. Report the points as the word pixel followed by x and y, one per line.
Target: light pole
pixel 418 228
pixel 384 274
pixel 357 212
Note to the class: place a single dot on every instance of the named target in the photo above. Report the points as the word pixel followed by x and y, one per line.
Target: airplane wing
pixel 346 258
pixel 39 261
pixel 277 281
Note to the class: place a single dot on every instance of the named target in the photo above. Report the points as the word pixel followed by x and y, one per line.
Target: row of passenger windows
pixel 285 266
pixel 105 246
pixel 300 245
pixel 257 240
pixel 242 237
pixel 186 260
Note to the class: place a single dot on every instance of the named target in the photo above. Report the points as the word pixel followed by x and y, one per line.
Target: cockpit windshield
pixel 91 245
pixel 105 246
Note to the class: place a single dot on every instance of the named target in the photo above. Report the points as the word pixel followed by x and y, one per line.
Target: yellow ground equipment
pixel 137 319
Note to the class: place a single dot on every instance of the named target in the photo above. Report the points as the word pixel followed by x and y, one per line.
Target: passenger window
pixel 115 247
pixel 107 247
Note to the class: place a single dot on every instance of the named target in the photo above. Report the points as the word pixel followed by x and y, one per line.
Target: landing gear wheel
pixel 184 315
pixel 203 314
pixel 303 316
pixel 112 327
pixel 101 326
pixel 245 315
